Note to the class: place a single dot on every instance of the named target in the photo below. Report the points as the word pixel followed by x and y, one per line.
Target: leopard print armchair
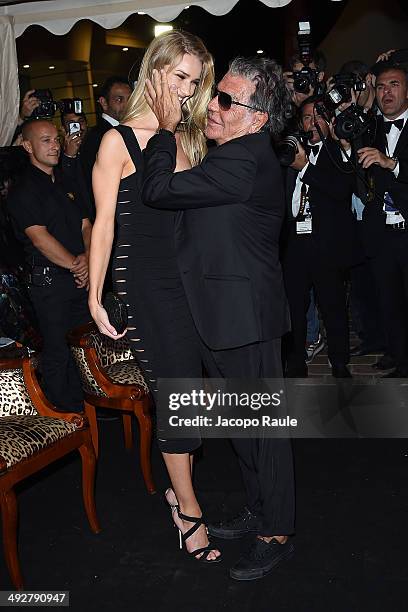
pixel 33 435
pixel 112 378
pixel 102 362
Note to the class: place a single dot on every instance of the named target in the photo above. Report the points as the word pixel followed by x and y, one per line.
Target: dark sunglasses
pixel 225 101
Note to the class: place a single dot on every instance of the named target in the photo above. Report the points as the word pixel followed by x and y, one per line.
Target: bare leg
pixel 179 467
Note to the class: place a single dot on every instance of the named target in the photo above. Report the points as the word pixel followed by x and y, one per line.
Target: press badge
pixel 393 214
pixel 305 225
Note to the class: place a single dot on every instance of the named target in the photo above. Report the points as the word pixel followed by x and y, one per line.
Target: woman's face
pixel 186 76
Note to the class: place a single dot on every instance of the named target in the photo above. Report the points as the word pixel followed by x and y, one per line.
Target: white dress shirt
pixel 298 185
pixel 393 136
pixel 110 119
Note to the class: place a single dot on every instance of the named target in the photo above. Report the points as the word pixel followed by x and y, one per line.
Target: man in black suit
pixel 386 217
pixel 319 243
pixel 227 239
pixel 113 98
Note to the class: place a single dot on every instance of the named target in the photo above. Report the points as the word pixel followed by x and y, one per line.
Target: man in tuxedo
pixel 386 216
pixel 113 98
pixel 364 302
pixel 227 240
pixel 319 242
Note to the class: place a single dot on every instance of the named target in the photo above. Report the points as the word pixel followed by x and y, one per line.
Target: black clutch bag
pixel 117 311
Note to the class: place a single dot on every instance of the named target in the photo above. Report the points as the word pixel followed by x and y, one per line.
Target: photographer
pixel 75 127
pixel 364 97
pixel 318 249
pixel 55 233
pixel 305 79
pixel 385 218
pixel 355 82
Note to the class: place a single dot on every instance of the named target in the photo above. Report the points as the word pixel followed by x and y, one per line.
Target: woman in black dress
pixel 145 270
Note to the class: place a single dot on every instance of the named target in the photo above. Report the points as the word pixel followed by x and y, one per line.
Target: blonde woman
pixel 145 270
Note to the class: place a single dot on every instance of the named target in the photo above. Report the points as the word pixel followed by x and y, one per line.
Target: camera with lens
pixel 70 105
pixel 307 77
pixel 353 123
pixel 48 107
pixel 350 124
pixel 344 84
pixel 304 79
pixel 287 148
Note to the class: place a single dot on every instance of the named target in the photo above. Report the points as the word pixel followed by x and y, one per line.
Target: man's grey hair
pixel 271 94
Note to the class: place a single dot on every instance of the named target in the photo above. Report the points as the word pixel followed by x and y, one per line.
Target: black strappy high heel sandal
pixel 204 551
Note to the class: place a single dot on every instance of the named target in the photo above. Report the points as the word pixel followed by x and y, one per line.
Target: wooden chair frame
pixel 79 440
pixel 129 399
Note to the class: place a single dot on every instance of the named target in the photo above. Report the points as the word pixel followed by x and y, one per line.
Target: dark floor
pixel 351 541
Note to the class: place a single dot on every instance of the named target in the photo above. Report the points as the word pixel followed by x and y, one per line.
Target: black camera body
pixel 344 84
pixel 48 106
pixel 304 79
pixel 352 123
pixel 70 105
pixel 287 148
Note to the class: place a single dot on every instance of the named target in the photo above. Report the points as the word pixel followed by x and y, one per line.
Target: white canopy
pixel 58 16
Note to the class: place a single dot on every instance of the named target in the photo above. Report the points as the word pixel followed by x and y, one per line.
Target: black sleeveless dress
pixel 146 276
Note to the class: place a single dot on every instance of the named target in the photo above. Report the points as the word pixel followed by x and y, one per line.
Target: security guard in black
pixel 55 231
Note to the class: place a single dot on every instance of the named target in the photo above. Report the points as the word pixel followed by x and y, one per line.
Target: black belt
pixel 396 226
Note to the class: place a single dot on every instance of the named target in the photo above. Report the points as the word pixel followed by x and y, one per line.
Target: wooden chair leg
pixel 90 414
pixel 142 412
pixel 8 502
pixel 127 430
pixel 88 483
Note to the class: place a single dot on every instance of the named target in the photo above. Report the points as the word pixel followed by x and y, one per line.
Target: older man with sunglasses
pixel 227 240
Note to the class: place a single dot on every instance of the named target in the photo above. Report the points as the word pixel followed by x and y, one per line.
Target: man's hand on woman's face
pixel 163 100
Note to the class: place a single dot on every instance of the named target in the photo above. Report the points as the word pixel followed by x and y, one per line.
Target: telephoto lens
pixel 286 150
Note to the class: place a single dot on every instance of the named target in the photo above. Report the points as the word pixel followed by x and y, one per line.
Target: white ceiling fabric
pixel 9 90
pixel 58 16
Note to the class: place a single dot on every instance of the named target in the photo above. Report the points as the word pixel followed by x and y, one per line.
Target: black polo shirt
pixel 36 199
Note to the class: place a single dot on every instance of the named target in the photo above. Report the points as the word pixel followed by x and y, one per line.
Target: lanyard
pixel 303 200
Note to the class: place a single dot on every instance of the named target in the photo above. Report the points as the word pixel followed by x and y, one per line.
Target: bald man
pixel 55 231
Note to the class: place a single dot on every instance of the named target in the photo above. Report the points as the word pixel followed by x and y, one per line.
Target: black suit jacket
pixel 385 181
pixel 227 238
pixel 88 152
pixel 330 191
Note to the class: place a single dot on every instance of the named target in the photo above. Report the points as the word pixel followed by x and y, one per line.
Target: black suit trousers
pixel 304 268
pixel 364 300
pixel 390 269
pixel 59 308
pixel 266 464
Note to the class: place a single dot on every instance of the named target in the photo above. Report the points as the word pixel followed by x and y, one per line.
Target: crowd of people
pixel 236 222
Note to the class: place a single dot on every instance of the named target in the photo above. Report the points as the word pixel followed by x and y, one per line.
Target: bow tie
pixel 313 149
pixel 399 124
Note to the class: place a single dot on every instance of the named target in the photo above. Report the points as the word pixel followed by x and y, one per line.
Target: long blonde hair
pixel 168 50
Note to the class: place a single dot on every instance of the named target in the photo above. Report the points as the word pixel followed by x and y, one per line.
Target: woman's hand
pixel 163 100
pixel 100 316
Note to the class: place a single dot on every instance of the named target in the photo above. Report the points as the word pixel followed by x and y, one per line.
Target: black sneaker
pixel 260 559
pixel 236 527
